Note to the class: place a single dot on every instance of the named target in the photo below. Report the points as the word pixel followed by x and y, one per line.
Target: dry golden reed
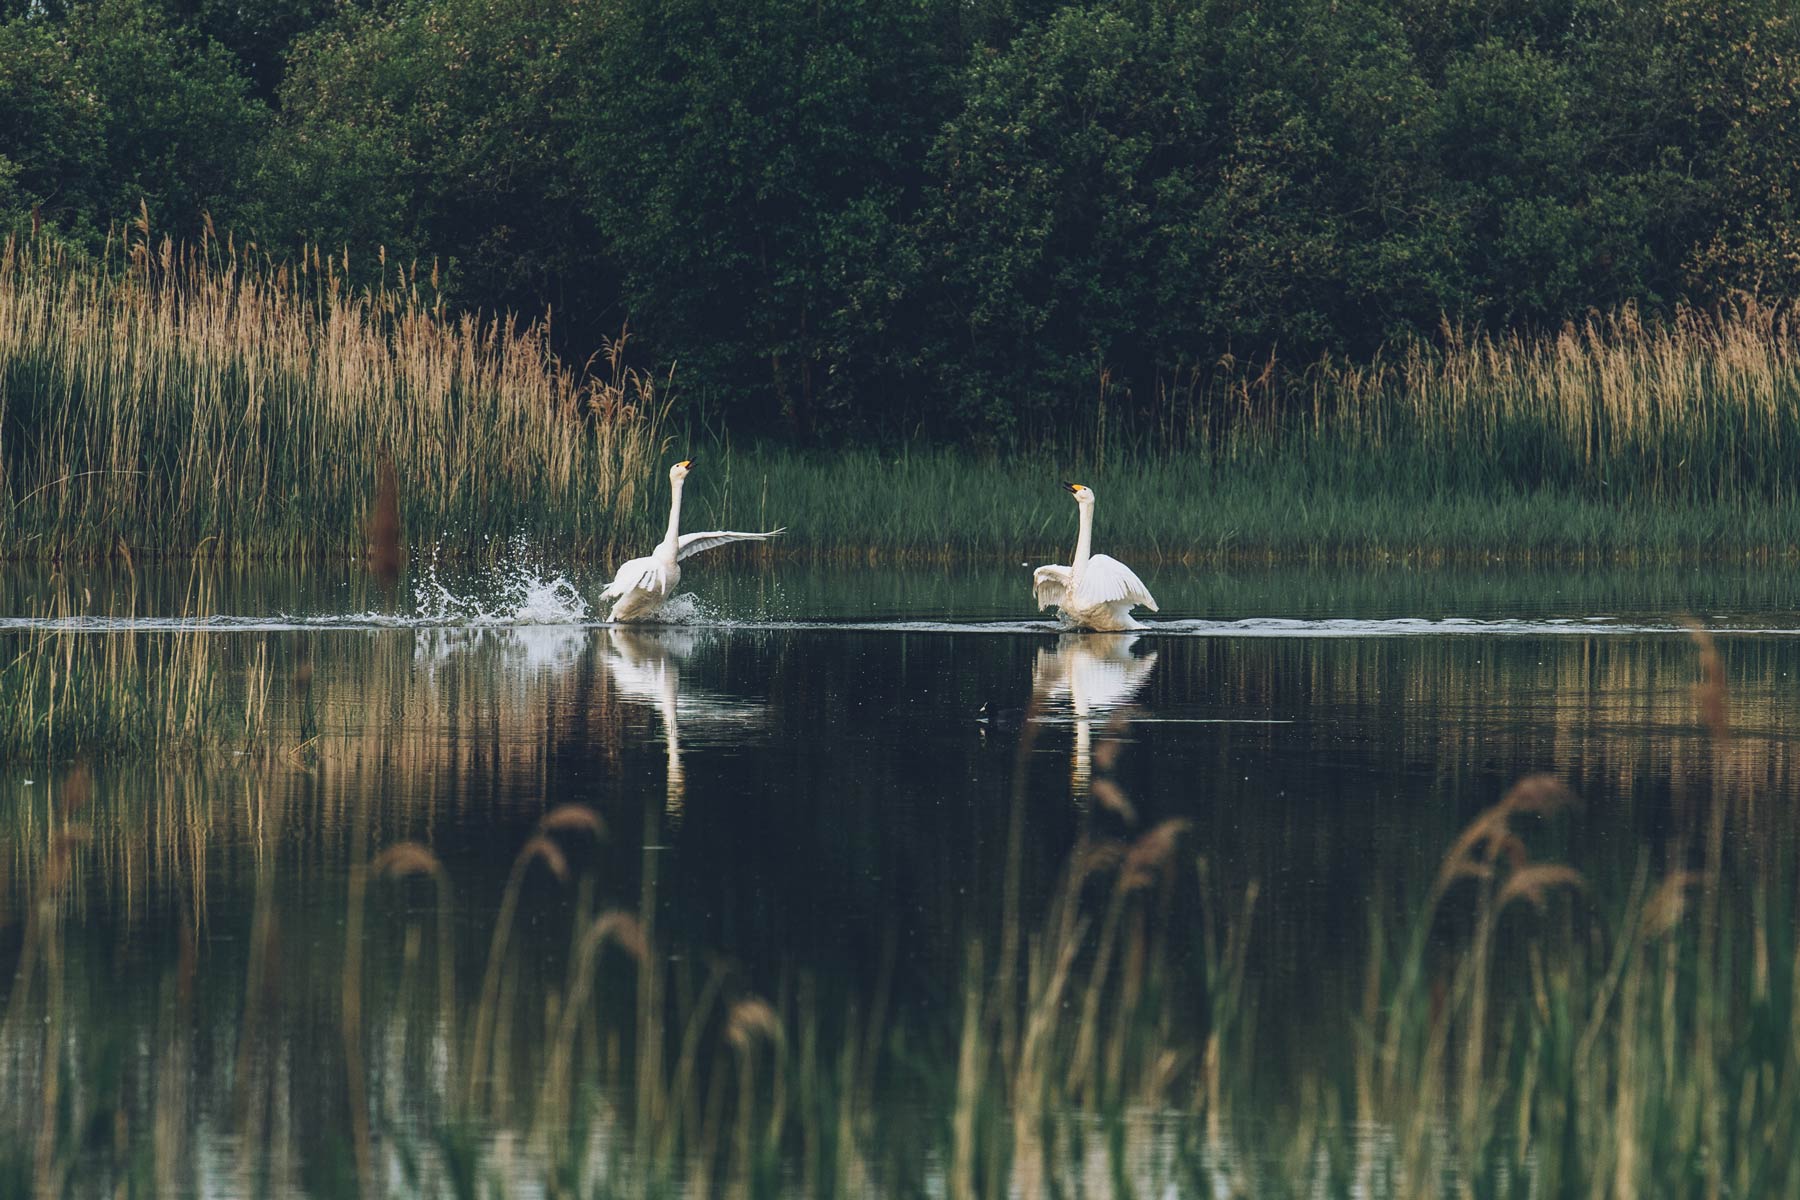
pixel 1695 404
pixel 180 393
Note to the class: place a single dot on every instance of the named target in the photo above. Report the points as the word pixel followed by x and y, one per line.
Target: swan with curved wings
pixel 1096 591
pixel 644 584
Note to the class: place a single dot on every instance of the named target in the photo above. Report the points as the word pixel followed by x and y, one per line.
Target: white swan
pixel 1095 592
pixel 643 584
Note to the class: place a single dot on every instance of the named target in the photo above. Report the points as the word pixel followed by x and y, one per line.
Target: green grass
pixel 1279 505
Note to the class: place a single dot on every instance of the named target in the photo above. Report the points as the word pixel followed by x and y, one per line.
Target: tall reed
pixel 1615 436
pixel 186 396
pixel 1698 403
pixel 161 395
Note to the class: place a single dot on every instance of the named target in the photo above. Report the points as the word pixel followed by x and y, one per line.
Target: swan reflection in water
pixel 645 667
pixel 1091 673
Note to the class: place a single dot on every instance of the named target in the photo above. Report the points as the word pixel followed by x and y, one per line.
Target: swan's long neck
pixel 1084 543
pixel 672 539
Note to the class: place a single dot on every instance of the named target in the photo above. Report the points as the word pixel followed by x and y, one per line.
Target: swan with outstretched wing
pixel 1096 591
pixel 643 585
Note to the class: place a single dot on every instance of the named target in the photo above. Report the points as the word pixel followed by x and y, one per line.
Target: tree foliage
pixel 753 169
pixel 113 107
pixel 874 216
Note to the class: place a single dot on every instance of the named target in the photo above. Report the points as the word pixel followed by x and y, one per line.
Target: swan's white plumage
pixel 642 585
pixel 1050 585
pixel 1109 581
pixel 694 543
pixel 1096 591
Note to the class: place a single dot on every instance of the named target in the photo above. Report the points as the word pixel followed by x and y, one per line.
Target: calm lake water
pixel 799 796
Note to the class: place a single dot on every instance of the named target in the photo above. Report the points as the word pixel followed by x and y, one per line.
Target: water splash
pixel 687 609
pixel 514 593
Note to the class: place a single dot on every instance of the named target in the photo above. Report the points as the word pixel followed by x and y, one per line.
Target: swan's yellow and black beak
pixel 686 464
pixel 1072 487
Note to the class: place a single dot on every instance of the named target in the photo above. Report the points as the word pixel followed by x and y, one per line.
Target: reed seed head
pixel 573 817
pixel 406 858
pixel 751 1019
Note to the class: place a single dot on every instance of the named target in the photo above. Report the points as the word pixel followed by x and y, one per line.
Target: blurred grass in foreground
pixel 1515 1033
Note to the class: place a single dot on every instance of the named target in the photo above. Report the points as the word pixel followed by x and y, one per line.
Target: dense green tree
pixel 53 137
pixel 439 130
pixel 855 216
pixel 257 34
pixel 180 124
pixel 1144 188
pixel 1730 115
pixel 752 168
pixel 111 107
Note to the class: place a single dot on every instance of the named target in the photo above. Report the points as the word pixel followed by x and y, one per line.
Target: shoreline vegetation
pixel 197 400
pixel 189 399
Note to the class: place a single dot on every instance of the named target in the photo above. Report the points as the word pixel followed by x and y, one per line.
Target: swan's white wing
pixel 1108 581
pixel 635 574
pixel 694 543
pixel 1050 585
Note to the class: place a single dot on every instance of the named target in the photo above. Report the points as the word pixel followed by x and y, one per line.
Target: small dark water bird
pixel 990 717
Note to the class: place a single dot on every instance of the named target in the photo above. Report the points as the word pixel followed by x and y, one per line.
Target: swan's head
pixel 1082 493
pixel 680 470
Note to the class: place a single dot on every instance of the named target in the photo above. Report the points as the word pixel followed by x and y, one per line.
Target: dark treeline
pixel 872 217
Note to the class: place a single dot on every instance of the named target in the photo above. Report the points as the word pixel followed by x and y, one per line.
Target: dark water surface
pixel 798 796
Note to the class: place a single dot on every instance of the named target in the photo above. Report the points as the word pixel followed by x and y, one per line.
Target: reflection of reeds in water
pixel 1516 1032
pixel 1621 707
pixel 395 744
pixel 66 690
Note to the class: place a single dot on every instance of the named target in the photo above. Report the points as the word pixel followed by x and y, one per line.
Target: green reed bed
pixel 174 398
pixel 1618 437
pixel 1332 504
pixel 195 397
